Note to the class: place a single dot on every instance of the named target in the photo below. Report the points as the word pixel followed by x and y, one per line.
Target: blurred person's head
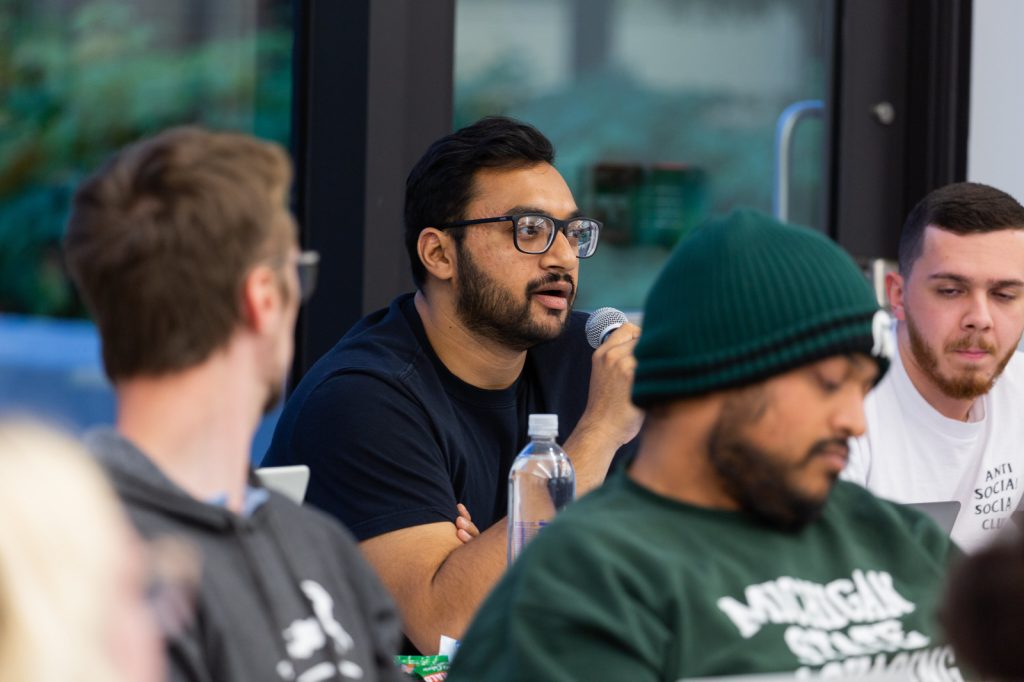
pixel 72 572
pixel 766 332
pixel 959 293
pixel 180 241
pixel 981 613
pixel 512 279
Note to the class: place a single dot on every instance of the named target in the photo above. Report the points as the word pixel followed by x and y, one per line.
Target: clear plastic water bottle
pixel 541 482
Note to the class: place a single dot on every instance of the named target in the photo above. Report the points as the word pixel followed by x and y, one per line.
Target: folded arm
pixel 437 579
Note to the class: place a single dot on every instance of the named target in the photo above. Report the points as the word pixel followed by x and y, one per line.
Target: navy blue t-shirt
pixel 394 440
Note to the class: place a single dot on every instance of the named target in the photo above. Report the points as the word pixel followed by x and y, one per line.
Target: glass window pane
pixel 78 79
pixel 662 111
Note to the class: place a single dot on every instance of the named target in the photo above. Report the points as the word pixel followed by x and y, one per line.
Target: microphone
pixel 603 322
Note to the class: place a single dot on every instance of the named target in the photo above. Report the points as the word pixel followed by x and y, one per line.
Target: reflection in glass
pixel 662 111
pixel 79 79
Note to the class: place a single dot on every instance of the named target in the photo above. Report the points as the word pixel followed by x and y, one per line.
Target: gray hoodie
pixel 284 595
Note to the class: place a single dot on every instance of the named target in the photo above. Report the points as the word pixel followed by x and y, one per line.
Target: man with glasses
pixel 418 412
pixel 186 255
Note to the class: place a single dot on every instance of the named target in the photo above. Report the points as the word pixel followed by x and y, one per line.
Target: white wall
pixel 995 147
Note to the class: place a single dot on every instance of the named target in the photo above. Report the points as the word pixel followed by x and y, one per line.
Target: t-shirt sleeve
pixel 563 614
pixel 374 457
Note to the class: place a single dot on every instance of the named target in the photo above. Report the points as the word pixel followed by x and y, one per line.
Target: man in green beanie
pixel 729 547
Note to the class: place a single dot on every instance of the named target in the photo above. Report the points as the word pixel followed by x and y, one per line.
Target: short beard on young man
pixel 491 311
pixel 966 385
pixel 754 477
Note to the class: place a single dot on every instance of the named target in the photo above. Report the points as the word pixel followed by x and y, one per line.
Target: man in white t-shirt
pixel 947 422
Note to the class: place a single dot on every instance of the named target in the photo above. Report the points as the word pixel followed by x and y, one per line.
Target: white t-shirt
pixel 911 453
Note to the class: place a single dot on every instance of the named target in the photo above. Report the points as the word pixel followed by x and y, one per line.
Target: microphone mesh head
pixel 599 322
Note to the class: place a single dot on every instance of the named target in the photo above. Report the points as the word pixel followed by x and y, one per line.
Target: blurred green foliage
pixel 76 85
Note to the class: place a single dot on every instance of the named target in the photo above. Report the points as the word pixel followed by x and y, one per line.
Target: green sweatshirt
pixel 629 585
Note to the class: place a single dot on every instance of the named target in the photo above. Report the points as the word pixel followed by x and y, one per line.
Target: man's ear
pixel 436 250
pixel 261 297
pixel 894 293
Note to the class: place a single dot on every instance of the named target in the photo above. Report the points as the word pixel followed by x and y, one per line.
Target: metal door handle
pixel 784 127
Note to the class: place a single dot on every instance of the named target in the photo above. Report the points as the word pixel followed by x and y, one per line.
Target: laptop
pixel 943 513
pixel 290 481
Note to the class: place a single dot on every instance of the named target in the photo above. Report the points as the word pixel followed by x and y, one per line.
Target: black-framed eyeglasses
pixel 307 265
pixel 534 233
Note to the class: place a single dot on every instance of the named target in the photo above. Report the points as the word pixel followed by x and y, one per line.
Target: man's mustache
pixel 831 444
pixel 969 343
pixel 549 279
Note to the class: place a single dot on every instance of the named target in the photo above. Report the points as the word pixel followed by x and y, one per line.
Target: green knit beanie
pixel 745 298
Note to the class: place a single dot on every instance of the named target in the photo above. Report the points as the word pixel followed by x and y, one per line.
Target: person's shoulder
pixel 852 494
pixel 308 526
pixel 376 359
pixel 606 543
pixel 607 516
pixel 383 341
pixel 587 543
pixel 853 497
pixel 617 495
pixel 318 545
pixel 592 508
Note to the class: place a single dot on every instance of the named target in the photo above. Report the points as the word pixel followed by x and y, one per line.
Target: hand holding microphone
pixel 609 407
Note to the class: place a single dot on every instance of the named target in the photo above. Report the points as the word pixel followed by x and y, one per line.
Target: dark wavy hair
pixel 440 185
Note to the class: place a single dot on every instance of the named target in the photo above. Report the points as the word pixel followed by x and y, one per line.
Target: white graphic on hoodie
pixel 305 636
pixel 848 626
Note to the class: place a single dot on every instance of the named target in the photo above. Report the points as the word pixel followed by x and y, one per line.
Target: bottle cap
pixel 543 425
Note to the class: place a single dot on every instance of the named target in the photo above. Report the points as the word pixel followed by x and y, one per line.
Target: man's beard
pixel 491 311
pixel 755 478
pixel 967 385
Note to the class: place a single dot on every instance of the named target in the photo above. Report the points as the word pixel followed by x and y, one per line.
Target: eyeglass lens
pixel 535 233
